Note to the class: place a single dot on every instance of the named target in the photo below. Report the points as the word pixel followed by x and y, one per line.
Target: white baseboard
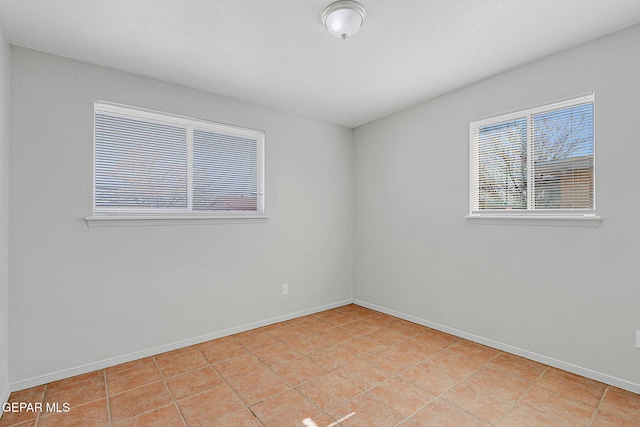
pixel 89 367
pixel 588 373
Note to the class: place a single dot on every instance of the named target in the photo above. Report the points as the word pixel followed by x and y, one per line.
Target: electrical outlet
pixel 637 339
pixel 285 289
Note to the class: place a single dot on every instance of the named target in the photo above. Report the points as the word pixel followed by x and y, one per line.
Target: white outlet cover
pixel 637 339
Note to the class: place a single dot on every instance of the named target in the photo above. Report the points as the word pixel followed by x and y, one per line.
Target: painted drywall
pixel 568 293
pixel 79 295
pixel 4 217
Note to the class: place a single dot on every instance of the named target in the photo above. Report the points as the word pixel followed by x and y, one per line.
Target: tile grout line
pixel 296 387
pixel 464 379
pixel 595 412
pixel 224 381
pixel 365 359
pixel 106 388
pixel 173 399
pixel 271 368
pixel 517 401
pixel 393 374
pixel 37 421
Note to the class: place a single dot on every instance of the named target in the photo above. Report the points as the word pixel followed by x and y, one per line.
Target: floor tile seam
pixel 533 383
pixel 405 418
pixel 274 366
pixel 224 382
pixel 283 363
pixel 498 394
pixel 228 381
pixel 321 411
pixel 88 402
pixel 578 378
pixel 70 387
pixel 466 377
pixel 283 341
pixel 472 414
pixel 612 412
pixel 212 366
pixel 595 413
pixel 373 398
pixel 493 358
pixel 244 405
pixel 458 381
pixel 114 369
pixel 509 372
pixel 363 391
pixel 255 416
pixel 106 389
pixel 534 409
pixel 304 382
pixel 121 422
pixel 571 397
pixel 419 362
pixel 167 356
pixel 131 389
pixel 247 404
pixel 392 344
pixel 314 332
pixel 622 415
pixel 466 380
pixel 249 350
pixel 513 405
pixel 44 392
pixel 173 399
pixel 365 356
pixel 421 408
pixel 106 379
pixel 271 346
pixel 174 402
pixel 224 360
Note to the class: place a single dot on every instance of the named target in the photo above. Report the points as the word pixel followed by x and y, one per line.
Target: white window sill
pixel 140 220
pixel 554 220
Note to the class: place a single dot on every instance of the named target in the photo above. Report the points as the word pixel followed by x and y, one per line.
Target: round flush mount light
pixel 343 18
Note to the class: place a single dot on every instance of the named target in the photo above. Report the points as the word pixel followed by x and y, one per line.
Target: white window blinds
pixel 537 161
pixel 147 162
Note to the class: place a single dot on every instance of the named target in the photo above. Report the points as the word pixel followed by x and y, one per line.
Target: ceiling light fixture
pixel 343 18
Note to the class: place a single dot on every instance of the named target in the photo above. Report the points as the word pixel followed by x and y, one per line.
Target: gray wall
pixel 82 295
pixel 569 294
pixel 4 217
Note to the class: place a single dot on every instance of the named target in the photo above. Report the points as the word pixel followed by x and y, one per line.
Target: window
pixel 537 162
pixel 150 164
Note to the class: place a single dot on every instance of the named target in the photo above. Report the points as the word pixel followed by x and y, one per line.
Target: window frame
pixel 159 216
pixel 532 216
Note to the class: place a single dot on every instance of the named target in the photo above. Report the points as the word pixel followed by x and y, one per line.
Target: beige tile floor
pixel 350 364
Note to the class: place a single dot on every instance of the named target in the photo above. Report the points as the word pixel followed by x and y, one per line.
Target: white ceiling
pixel 277 53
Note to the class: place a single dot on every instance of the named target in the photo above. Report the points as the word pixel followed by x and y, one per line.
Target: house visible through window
pixel 152 163
pixel 535 162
